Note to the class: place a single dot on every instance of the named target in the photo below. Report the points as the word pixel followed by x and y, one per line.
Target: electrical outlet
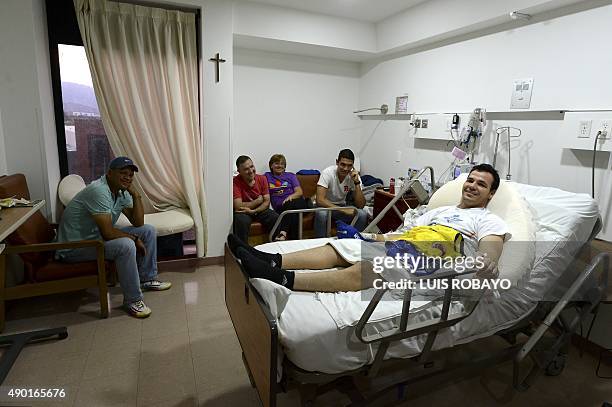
pixel 605 129
pixel 417 123
pixel 424 123
pixel 584 129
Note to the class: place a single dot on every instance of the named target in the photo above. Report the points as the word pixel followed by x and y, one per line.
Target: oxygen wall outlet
pixel 605 129
pixel 584 129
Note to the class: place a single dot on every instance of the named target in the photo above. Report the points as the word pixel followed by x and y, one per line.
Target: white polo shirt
pixel 336 190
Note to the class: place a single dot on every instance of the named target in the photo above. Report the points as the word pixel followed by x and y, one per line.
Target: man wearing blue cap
pixel 92 214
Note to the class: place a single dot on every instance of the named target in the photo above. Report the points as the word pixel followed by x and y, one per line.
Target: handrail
pixel 418 328
pixel 301 213
pixel 542 358
pixel 399 195
pixel 604 259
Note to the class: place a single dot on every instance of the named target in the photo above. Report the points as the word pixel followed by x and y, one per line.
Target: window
pixel 87 150
pixel 65 49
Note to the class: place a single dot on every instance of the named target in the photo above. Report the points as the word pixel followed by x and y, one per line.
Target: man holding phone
pixel 92 215
pixel 333 188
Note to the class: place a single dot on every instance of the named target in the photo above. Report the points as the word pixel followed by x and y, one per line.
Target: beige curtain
pixel 144 69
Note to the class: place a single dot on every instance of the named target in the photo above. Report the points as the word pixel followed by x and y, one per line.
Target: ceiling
pixel 362 10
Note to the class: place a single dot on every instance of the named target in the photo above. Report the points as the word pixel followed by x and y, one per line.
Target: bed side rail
pixel 601 264
pixel 372 227
pixel 255 328
pixel 430 327
pixel 301 213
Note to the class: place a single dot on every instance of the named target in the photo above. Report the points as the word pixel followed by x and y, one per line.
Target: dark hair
pixel 488 168
pixel 241 160
pixel 346 153
pixel 275 159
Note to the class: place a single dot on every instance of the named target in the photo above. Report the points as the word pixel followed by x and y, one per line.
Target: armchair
pixel 32 241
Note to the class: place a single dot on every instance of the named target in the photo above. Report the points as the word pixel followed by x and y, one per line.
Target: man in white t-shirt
pixel 334 185
pixel 484 234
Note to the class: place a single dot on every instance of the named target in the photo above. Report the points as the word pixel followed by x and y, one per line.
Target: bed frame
pixel 257 333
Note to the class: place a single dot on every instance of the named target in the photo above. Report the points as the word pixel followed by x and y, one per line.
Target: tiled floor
pixel 187 354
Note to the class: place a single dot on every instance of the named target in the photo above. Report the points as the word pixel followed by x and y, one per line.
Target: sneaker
pixel 155 285
pixel 138 309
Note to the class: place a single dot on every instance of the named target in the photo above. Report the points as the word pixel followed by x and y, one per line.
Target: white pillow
pixel 165 223
pixel 507 203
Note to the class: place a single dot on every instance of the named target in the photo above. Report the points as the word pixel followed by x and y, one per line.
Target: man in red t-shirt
pixel 251 199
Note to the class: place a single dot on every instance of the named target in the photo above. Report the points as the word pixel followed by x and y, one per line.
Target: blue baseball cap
pixel 122 162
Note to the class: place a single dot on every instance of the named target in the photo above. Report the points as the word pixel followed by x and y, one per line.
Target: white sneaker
pixel 155 285
pixel 138 309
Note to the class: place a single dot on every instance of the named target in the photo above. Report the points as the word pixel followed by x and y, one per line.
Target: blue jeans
pixel 132 269
pixel 320 222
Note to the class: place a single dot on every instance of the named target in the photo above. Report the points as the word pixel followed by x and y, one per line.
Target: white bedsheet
pixel 316 330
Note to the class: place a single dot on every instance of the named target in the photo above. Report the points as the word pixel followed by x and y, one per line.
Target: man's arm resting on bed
pixel 490 249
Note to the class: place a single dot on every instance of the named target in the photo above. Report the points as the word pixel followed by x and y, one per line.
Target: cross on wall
pixel 217 60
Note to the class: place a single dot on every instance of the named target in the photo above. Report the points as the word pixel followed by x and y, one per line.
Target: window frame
pixel 62 28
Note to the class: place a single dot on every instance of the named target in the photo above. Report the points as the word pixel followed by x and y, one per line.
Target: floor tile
pixel 187 401
pixel 158 353
pixel 122 329
pixel 169 382
pixel 164 323
pixel 112 361
pixel 51 370
pixel 237 396
pixel 116 390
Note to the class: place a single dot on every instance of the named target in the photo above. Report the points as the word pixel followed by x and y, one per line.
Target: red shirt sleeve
pixel 237 190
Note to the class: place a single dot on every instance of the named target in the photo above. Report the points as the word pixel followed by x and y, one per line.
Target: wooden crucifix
pixel 217 60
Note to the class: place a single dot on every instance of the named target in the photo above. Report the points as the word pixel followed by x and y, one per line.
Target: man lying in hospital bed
pixel 482 233
pixel 317 331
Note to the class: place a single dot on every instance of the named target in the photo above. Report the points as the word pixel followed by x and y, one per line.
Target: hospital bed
pixel 366 348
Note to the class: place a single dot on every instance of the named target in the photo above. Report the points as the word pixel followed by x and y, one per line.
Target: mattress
pixel 316 330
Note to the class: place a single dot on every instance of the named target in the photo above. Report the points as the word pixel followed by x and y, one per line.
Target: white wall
pixel 259 20
pixel 217 116
pixel 294 105
pixel 23 120
pixel 439 18
pixel 570 66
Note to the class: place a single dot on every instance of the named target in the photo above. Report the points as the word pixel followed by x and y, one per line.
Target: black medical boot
pixel 257 268
pixel 274 260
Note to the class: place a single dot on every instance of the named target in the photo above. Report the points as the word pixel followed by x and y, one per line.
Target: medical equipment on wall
pixel 498 133
pixel 471 132
pixel 383 109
